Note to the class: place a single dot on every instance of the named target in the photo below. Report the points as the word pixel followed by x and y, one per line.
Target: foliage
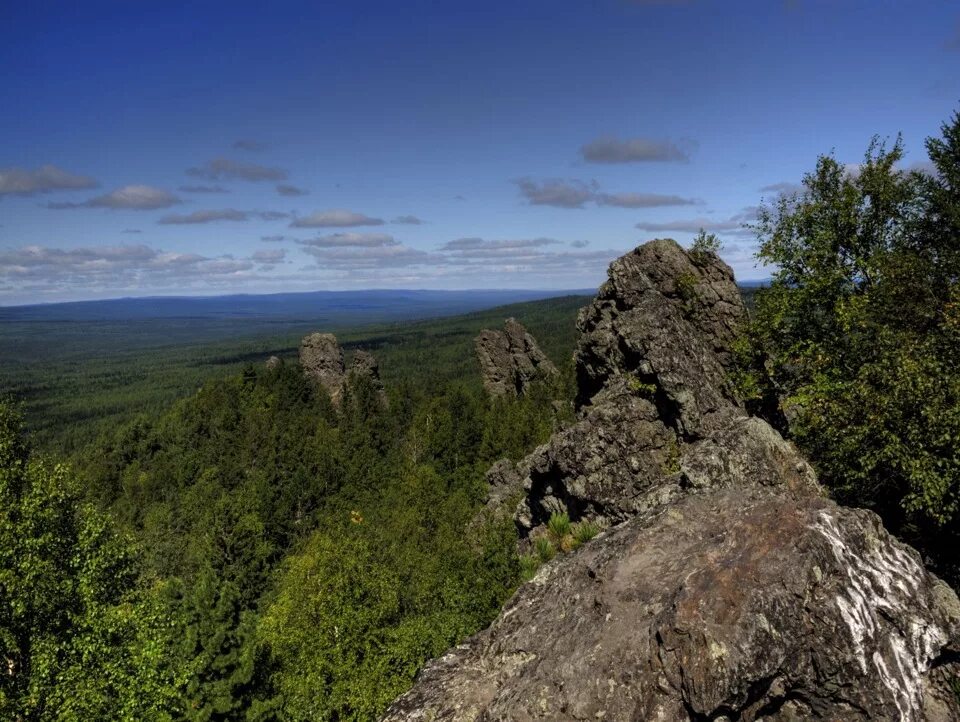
pixel 297 560
pixel 857 340
pixel 76 641
pixel 705 244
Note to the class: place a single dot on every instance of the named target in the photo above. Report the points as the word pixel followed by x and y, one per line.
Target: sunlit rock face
pixel 322 361
pixel 727 587
pixel 510 360
pixel 729 605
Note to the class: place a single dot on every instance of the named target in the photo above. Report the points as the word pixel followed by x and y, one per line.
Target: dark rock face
pixel 365 365
pixel 734 605
pixel 322 360
pixel 728 587
pixel 510 359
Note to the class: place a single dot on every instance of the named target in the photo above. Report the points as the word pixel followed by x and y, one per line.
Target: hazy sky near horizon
pixel 199 148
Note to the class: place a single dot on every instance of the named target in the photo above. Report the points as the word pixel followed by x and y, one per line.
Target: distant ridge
pixel 384 304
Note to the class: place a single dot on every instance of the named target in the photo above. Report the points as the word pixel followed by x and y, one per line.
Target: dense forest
pixel 253 551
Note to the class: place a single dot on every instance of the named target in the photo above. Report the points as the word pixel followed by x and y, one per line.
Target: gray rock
pixel 510 360
pixel 365 365
pixel 739 604
pixel 273 362
pixel 657 415
pixel 728 587
pixel 322 360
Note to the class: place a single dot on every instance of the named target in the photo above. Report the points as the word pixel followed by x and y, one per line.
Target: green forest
pixel 251 552
pixel 186 533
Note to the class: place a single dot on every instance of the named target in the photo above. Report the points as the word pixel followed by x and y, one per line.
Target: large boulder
pixel 510 360
pixel 322 361
pixel 727 586
pixel 734 605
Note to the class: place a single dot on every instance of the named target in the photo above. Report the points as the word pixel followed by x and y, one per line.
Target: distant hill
pixel 338 307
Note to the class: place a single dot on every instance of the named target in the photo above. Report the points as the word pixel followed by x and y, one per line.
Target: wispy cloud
pixel 45 179
pixel 364 258
pixel 226 214
pixel 557 192
pixel 609 149
pixel 643 200
pixel 480 246
pixel 351 240
pixel 134 267
pixel 220 169
pixel 286 189
pixel 276 239
pixel 408 221
pixel 129 198
pixel 734 225
pixel 131 230
pixel 202 189
pixel 561 193
pixel 335 218
pixel 269 256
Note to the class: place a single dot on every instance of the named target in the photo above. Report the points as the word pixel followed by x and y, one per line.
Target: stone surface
pixel 727 587
pixel 365 365
pixel 657 415
pixel 510 360
pixel 273 362
pixel 322 360
pixel 738 604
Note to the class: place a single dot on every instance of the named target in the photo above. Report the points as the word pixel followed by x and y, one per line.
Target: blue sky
pixel 157 148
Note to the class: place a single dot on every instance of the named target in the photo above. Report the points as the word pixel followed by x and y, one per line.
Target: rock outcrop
pixel 274 362
pixel 322 360
pixel 510 360
pixel 727 586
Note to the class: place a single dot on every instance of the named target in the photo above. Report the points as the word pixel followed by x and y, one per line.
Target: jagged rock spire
pixel 510 360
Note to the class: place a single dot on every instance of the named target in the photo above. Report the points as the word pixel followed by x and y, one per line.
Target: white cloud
pixel 734 225
pixel 203 189
pixel 335 218
pixel 609 149
pixel 129 198
pixel 557 192
pixel 45 179
pixel 204 217
pixel 269 256
pixel 227 169
pixel 226 214
pixel 643 200
pixel 351 240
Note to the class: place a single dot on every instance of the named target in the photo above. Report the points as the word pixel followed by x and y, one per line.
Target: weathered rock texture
pixel 365 365
pixel 729 587
pixel 322 360
pixel 732 605
pixel 657 415
pixel 510 360
pixel 273 362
